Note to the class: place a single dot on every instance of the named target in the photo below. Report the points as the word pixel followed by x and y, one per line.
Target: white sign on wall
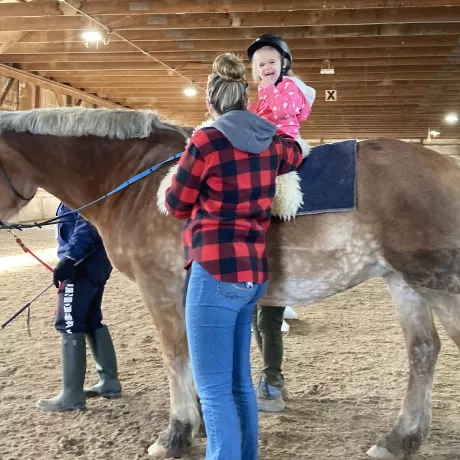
pixel 331 95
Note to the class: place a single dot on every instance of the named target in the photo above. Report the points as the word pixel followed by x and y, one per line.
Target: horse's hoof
pixel 156 450
pixel 174 442
pixel 380 452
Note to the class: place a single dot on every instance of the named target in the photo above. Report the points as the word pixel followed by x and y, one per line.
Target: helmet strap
pixel 283 73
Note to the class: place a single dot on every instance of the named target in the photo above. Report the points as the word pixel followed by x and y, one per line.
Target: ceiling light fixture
pixel 94 36
pixel 451 118
pixel 91 36
pixel 190 92
pixel 328 70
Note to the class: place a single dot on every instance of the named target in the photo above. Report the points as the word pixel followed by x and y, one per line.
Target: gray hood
pixel 246 131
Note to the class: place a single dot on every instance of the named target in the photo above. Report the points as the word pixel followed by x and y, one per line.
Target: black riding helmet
pixel 275 41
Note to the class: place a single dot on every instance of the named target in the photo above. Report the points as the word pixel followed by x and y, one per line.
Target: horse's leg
pixel 169 319
pixel 423 346
pixel 447 309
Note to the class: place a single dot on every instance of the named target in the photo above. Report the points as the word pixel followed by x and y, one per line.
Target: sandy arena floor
pixel 345 366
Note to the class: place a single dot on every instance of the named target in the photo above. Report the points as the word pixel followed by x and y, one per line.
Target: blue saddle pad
pixel 328 178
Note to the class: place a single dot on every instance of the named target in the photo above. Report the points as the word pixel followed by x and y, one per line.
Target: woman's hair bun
pixel 230 67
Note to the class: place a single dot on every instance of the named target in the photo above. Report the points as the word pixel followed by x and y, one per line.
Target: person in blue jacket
pixel 81 275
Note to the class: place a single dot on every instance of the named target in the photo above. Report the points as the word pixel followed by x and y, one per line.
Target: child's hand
pixel 267 81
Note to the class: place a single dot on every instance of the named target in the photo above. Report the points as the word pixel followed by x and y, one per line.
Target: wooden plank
pixel 377 104
pixel 59 98
pixel 363 72
pixel 429 28
pixel 446 103
pixel 361 91
pixel 6 90
pixel 186 68
pixel 200 56
pixel 12 41
pixel 47 84
pixel 381 80
pixel 268 19
pixel 46 8
pixel 43 23
pixel 237 44
pixel 26 96
pixel 37 102
pixel 68 100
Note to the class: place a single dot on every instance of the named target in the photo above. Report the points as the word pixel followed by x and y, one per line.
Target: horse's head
pixel 16 186
pixel 76 153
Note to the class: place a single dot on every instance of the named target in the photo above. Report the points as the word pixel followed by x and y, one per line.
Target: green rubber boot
pixel 103 351
pixel 72 396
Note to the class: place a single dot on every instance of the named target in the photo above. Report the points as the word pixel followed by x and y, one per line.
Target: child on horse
pixel 285 101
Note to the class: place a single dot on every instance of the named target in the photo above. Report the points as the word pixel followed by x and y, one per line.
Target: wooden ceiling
pixel 397 62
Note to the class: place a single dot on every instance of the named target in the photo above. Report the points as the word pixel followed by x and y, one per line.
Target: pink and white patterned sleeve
pixel 285 100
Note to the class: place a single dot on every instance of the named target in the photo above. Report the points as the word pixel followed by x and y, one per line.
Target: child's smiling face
pixel 268 62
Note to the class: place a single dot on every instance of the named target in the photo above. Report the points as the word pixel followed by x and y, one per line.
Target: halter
pixel 11 186
pixel 13 189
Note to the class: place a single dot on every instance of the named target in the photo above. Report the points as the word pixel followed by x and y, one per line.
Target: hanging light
pixel 190 92
pixel 96 37
pixel 91 36
pixel 451 118
pixel 327 69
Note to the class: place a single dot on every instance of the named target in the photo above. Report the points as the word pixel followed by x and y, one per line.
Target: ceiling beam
pixel 451 90
pixel 385 80
pixel 54 86
pixel 156 46
pixel 356 73
pixel 184 66
pixel 318 85
pixel 371 103
pixel 268 19
pixel 49 8
pixel 366 105
pixel 6 90
pixel 428 28
pixel 12 41
pixel 199 56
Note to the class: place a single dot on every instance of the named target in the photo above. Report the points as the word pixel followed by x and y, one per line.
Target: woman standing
pixel 225 186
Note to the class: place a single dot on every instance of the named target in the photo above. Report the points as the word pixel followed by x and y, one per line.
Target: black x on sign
pixel 331 95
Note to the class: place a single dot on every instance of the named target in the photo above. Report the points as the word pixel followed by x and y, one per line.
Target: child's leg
pixel 304 145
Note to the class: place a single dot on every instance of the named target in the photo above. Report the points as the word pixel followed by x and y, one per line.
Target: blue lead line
pixel 115 190
pixel 129 182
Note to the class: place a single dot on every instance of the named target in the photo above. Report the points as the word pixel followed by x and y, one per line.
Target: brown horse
pixel 406 230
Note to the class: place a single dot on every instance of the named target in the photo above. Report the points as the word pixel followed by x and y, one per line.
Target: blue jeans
pixel 218 318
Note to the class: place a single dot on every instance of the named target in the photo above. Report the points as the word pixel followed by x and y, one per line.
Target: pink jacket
pixel 286 104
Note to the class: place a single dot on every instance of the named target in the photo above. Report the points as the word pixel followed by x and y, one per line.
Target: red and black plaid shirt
pixel 227 196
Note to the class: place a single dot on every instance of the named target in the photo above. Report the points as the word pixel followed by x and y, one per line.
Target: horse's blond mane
pixel 79 121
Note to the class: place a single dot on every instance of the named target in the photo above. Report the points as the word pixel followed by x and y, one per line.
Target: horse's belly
pixel 302 276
